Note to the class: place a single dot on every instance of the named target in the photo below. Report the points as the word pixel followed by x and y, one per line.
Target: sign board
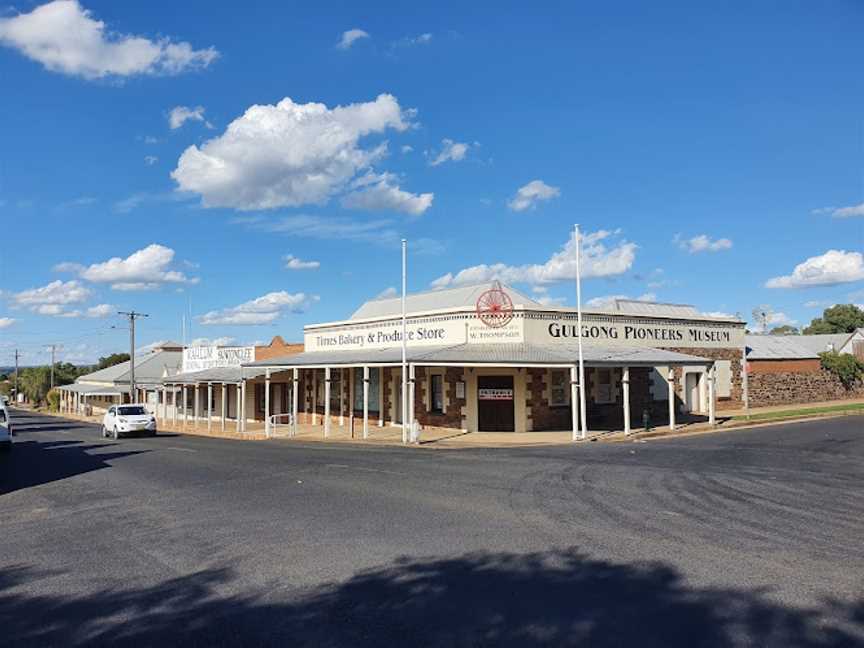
pixel 495 394
pixel 199 358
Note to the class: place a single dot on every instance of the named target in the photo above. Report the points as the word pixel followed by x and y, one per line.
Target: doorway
pixel 693 392
pixel 495 404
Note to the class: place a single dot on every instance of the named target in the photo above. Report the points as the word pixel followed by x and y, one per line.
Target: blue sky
pixel 713 155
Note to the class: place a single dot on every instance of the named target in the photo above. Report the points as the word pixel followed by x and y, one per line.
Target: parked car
pixel 5 430
pixel 126 419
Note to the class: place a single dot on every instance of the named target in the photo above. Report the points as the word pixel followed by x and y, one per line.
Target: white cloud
pixel 833 267
pixel 718 314
pixel 379 192
pixel 702 243
pixel 225 340
pixel 387 293
pixel 350 37
pixel 263 310
pixel 817 303
pixel 547 300
pixel 532 193
pixel 100 310
pixel 841 212
pixel 64 37
pixel 406 148
pixel 288 154
pixel 68 266
pixel 598 260
pixel 450 150
pixel 6 322
pixel 179 115
pixel 146 269
pixel 411 41
pixel 295 263
pixel 608 301
pixel 150 160
pixel 57 293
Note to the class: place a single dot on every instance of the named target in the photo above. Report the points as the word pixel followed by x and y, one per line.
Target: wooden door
pixel 495 404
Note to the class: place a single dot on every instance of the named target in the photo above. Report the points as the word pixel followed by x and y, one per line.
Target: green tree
pixel 111 360
pixel 840 318
pixel 785 329
pixel 53 399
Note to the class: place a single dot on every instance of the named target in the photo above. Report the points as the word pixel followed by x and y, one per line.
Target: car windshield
pixel 134 410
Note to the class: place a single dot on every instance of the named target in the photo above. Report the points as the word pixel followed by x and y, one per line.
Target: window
pixel 335 389
pixel 131 410
pixel 603 389
pixel 559 391
pixel 374 383
pixel 436 393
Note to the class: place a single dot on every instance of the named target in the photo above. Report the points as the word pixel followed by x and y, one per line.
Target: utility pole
pixel 16 374
pixel 132 316
pixel 53 348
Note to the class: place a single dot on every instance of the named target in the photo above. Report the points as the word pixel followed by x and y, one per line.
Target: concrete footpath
pixel 443 438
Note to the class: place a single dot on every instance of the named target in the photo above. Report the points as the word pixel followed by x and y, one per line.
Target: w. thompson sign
pixel 209 357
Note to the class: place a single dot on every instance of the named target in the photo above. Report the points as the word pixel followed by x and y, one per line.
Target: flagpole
pixel 404 342
pixel 582 399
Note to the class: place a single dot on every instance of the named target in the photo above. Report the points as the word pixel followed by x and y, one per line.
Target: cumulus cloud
pixel 379 192
pixel 350 37
pixel 289 154
pixel 263 310
pixel 602 256
pixel 841 212
pixel 146 269
pixel 100 310
pixel 450 150
pixel 532 193
pixel 56 293
pixel 225 340
pixel 179 115
pixel 6 322
pixel 150 160
pixel 295 263
pixel 832 268
pixel 702 243
pixel 64 37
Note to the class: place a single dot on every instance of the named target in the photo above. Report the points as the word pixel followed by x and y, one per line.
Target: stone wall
pixel 796 387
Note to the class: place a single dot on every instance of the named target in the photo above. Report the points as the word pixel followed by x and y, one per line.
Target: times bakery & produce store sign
pixel 199 358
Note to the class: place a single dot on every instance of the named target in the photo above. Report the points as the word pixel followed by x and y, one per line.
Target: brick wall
pixel 785 366
pixel 786 388
pixel 452 415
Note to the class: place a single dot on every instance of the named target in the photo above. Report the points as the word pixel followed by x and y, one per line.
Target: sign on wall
pixel 495 394
pixel 199 358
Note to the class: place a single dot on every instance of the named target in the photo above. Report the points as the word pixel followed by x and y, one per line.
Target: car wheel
pixel 104 432
pixel 115 434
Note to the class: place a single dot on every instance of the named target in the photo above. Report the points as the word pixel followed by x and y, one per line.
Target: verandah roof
pixel 489 354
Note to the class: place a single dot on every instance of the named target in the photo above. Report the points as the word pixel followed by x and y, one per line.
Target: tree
pixel 840 318
pixel 111 360
pixel 785 329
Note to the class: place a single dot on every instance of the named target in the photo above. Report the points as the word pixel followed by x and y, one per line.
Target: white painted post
pixel 327 401
pixel 196 413
pixel 224 405
pixel 243 406
pixel 267 425
pixel 405 423
pixel 184 405
pixel 314 397
pixel 295 379
pixel 574 402
pixel 583 413
pixel 237 408
pixel 625 384
pixel 164 403
pixel 341 397
pixel 365 402
pixel 412 382
pixel 173 404
pixel 712 395
pixel 670 380
pixel 209 406
pixel 381 388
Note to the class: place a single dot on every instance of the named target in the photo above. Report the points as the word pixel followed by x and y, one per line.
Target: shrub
pixel 53 398
pixel 843 365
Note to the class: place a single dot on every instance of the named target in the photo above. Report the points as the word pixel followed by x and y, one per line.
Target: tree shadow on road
pixel 558 598
pixel 31 463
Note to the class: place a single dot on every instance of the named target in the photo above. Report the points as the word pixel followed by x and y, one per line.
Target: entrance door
pixel 495 405
pixel 691 386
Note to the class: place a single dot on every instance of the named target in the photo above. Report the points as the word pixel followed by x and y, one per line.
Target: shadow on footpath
pixel 31 463
pixel 557 598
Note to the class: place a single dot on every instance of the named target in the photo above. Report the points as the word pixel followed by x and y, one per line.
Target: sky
pixel 254 169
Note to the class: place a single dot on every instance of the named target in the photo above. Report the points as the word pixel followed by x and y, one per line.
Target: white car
pixel 5 430
pixel 125 419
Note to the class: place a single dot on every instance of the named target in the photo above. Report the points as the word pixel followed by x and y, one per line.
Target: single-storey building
pixel 489 358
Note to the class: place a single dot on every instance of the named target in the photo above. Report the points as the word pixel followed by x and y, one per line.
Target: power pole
pixel 132 316
pixel 16 374
pixel 53 348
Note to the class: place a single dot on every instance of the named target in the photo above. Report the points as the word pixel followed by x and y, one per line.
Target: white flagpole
pixel 582 399
pixel 404 342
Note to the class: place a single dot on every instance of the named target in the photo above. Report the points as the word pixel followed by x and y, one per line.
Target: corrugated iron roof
pixel 148 368
pixel 793 347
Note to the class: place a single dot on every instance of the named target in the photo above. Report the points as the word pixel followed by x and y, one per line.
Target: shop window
pixel 335 389
pixel 374 388
pixel 436 393
pixel 603 393
pixel 559 392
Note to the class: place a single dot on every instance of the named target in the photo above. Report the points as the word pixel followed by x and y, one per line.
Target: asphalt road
pixel 745 538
